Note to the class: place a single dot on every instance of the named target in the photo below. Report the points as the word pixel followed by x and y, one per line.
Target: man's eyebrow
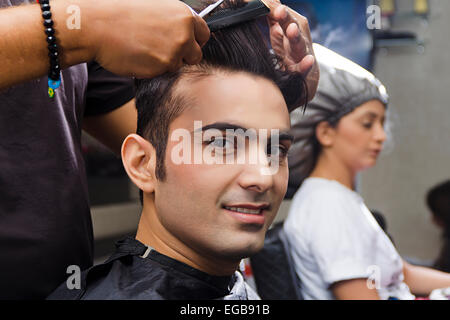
pixel 223 126
pixel 282 136
pixel 286 136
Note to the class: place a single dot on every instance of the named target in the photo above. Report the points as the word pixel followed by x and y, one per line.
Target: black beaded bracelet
pixel 54 74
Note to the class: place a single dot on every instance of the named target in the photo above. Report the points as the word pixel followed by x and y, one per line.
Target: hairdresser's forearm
pixel 23 45
pixel 422 281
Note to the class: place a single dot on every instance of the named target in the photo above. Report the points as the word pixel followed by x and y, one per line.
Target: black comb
pixel 229 17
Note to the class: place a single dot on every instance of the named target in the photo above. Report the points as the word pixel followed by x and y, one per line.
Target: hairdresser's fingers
pixel 194 54
pixel 296 29
pixel 279 22
pixel 276 37
pixel 283 49
pixel 278 14
pixel 297 45
pixel 306 65
pixel 285 16
pixel 201 31
pixel 300 44
pixel 289 46
pixel 272 4
pixel 175 65
pixel 291 39
pixel 293 29
pixel 301 58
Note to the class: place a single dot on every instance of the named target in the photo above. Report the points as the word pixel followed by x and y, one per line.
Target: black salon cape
pixel 127 275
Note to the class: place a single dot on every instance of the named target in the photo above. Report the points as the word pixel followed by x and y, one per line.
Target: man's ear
pixel 139 161
pixel 325 134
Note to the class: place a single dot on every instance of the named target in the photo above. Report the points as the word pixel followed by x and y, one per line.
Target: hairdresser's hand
pixel 291 39
pixel 144 38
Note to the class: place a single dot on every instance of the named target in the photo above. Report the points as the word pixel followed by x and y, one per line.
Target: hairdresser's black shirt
pixel 45 222
pixel 131 274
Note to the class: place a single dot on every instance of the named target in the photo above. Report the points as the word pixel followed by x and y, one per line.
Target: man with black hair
pixel 210 157
pixel 44 210
pixel 44 203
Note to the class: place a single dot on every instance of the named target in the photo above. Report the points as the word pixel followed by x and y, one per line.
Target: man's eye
pixel 221 143
pixel 277 150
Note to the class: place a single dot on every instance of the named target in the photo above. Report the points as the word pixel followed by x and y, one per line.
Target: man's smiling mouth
pixel 244 210
pixel 248 213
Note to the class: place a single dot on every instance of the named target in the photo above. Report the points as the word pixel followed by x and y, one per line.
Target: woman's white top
pixel 334 237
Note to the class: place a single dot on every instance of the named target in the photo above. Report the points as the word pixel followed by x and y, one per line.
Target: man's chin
pixel 240 252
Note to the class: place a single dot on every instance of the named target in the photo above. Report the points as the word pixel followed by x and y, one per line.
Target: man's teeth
pixel 244 210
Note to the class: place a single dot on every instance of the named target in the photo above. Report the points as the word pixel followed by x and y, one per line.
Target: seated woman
pixel 338 248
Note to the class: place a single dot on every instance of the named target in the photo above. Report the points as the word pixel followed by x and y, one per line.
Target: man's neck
pixel 152 233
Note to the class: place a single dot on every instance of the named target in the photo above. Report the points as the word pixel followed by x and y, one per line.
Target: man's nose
pixel 257 175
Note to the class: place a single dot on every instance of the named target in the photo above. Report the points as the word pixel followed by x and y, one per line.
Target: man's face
pixel 223 210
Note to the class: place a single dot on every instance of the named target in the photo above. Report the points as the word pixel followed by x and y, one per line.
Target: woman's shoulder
pixel 320 190
pixel 325 208
pixel 319 200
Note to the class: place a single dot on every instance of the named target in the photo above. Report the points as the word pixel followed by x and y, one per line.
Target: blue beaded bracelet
pixel 54 74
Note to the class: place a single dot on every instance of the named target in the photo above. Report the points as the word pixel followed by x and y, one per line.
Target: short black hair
pixel 241 48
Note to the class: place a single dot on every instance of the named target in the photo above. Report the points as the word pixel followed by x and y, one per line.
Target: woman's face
pixel 359 136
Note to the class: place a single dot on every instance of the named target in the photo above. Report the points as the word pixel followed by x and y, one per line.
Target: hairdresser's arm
pixel 355 289
pixel 422 280
pixel 291 39
pixel 143 38
pixel 113 127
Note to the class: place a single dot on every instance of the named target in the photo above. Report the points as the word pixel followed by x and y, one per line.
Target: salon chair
pixel 273 268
